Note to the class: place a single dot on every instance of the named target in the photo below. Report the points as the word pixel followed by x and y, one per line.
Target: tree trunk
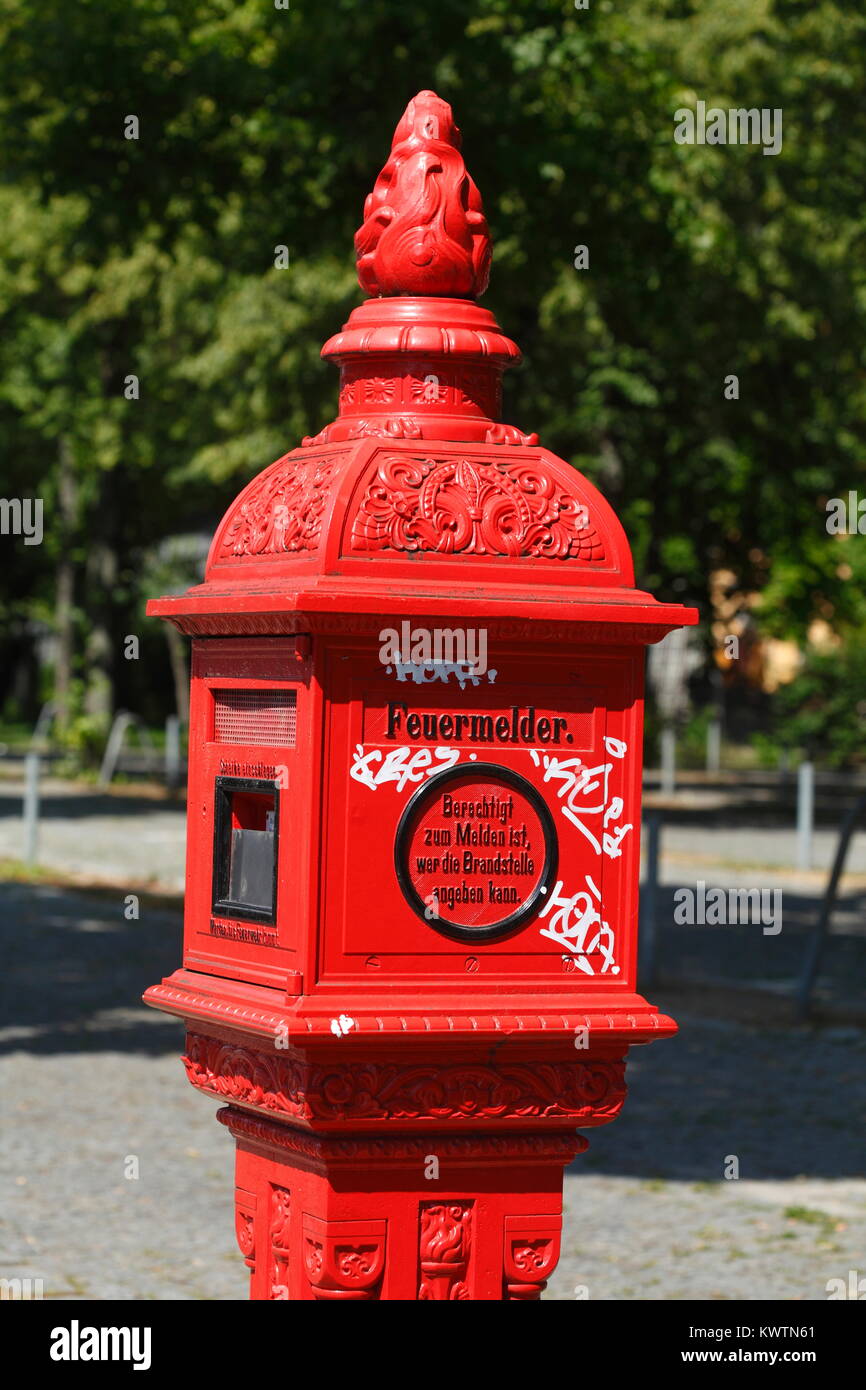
pixel 179 670
pixel 102 576
pixel 64 602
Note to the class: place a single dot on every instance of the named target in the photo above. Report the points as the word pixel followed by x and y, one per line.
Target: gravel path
pixel 89 1078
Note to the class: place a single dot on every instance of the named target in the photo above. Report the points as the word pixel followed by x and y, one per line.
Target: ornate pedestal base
pixel 361 1177
pixel 398 1218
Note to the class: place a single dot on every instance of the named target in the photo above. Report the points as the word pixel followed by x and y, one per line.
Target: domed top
pixel 416 499
pixel 337 537
pixel 424 230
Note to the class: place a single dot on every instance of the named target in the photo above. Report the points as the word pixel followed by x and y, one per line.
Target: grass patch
pixel 810 1217
pixel 16 871
pixel 809 1214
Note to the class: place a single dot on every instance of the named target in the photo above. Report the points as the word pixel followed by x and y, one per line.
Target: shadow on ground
pixel 78 805
pixel 783 1100
pixel 770 951
pixel 74 970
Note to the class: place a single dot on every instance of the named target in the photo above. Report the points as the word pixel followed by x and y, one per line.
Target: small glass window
pixel 245 849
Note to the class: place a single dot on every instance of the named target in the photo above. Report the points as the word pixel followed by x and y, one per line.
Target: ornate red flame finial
pixel 420 359
pixel 424 230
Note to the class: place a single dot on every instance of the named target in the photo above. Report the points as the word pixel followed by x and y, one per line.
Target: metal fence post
pixel 172 752
pixel 122 721
pixel 805 813
pixel 817 938
pixel 714 745
pixel 669 760
pixel 31 807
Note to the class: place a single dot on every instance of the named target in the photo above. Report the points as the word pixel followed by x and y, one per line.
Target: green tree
pixel 258 128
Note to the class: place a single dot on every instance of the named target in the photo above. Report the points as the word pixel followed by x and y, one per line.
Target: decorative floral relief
pixel 245 1226
pixel 281 511
pixel 309 441
pixel 478 389
pixel 509 434
pixel 367 1149
pixel 429 389
pixel 314 1257
pixel 380 389
pixel 281 1203
pixel 531 1254
pixel 397 428
pixel 512 508
pixel 340 1266
pixel 530 1257
pixel 373 1090
pixel 245 1232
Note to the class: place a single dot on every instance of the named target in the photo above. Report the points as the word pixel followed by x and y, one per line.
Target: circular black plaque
pixel 475 785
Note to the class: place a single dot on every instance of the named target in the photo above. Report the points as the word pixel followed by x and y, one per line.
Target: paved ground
pixel 125 837
pixel 649 1213
pixel 134 836
pixel 89 1079
pixel 131 838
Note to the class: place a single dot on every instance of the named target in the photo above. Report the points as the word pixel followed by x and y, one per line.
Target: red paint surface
pixel 472 849
pixel 404 1098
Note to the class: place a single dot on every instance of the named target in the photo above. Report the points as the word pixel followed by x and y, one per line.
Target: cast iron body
pixel 412 890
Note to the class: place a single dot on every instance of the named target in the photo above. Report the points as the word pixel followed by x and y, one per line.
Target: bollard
pixel 172 752
pixel 714 745
pixel 817 937
pixel 47 715
pixel 31 807
pixel 805 813
pixel 669 760
pixel 113 747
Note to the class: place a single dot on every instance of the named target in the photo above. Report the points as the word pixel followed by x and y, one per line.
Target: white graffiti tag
pixel 588 793
pixel 577 924
pixel 425 673
pixel 400 765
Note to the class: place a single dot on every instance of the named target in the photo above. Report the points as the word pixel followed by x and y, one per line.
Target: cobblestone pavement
pixel 89 1080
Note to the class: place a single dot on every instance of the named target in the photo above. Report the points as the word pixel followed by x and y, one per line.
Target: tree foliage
pixel 260 127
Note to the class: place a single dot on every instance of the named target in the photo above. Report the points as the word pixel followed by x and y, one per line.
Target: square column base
pixel 402 1218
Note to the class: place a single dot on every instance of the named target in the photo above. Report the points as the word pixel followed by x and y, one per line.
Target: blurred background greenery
pixel 263 126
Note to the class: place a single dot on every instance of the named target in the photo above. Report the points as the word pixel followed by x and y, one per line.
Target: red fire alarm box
pixel 414 799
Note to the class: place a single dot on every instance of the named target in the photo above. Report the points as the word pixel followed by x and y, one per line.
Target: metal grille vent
pixel 255 716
